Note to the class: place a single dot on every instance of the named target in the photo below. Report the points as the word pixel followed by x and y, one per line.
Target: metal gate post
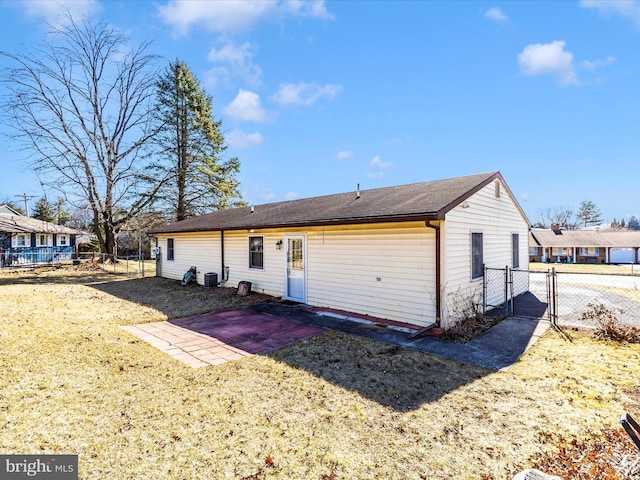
pixel 506 291
pixel 484 290
pixel 511 291
pixel 554 297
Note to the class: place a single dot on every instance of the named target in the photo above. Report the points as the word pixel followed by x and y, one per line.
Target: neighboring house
pixel 6 209
pixel 25 240
pixel 412 253
pixel 583 246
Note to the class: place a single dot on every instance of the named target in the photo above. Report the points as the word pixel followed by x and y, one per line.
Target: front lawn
pixel 332 407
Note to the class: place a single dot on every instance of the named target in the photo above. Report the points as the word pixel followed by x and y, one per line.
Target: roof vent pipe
pixel 358 192
pixel 252 209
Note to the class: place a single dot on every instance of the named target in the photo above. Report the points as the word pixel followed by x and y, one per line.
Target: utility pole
pixel 26 199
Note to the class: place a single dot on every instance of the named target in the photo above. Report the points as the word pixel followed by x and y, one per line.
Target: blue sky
pixel 316 97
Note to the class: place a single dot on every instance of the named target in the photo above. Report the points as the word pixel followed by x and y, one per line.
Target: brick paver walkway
pixel 215 338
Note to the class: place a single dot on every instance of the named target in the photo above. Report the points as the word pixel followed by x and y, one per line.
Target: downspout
pixel 222 279
pixel 438 267
pixel 435 325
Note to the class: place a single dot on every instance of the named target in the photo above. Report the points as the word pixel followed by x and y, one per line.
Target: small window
pixel 21 241
pixel 497 184
pixel 515 250
pixel 477 262
pixel 533 251
pixel 43 240
pixel 169 248
pixel 62 239
pixel 590 251
pixel 256 255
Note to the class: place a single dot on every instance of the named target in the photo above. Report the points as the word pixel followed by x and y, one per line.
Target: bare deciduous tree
pixel 82 105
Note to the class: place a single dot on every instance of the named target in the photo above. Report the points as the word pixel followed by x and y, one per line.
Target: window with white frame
pixel 62 240
pixel 256 252
pixel 170 249
pixel 477 261
pixel 561 251
pixel 42 240
pixel 533 251
pixel 21 240
pixel 590 251
pixel 515 250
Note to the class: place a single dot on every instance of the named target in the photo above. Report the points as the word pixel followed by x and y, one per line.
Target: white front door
pixel 296 275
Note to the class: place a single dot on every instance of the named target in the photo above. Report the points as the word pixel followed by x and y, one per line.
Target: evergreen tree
pixel 633 224
pixel 589 213
pixel 191 147
pixel 44 211
pixel 622 223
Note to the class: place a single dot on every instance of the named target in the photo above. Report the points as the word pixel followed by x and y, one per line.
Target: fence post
pixel 484 289
pixel 511 292
pixel 554 297
pixel 506 291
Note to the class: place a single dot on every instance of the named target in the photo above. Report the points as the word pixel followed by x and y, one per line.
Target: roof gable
pixel 417 201
pixel 7 210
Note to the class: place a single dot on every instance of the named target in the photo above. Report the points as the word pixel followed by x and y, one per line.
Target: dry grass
pixel 586 268
pixel 333 407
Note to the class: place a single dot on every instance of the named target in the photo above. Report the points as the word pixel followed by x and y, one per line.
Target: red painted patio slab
pixel 215 338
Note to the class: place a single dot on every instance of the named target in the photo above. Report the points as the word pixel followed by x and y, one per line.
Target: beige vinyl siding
pixel 270 278
pixel 343 265
pixel 198 249
pixel 497 219
pixel 382 270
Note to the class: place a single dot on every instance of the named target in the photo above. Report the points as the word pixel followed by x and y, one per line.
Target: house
pixel 583 246
pixel 25 240
pixel 412 253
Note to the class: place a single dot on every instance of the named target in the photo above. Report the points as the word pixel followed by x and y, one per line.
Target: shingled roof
pixel 28 225
pixel 585 238
pixel 417 201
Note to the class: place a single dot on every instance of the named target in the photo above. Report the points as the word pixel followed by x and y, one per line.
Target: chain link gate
pixel 507 292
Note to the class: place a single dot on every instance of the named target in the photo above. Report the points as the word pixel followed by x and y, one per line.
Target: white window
pixel 515 250
pixel 170 252
pixel 560 251
pixel 62 240
pixel 477 261
pixel 533 251
pixel 42 240
pixel 256 252
pixel 21 240
pixel 589 251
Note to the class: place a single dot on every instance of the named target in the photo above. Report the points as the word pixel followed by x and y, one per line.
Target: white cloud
pixel 234 16
pixel 549 59
pixel 624 8
pixel 378 163
pixel 240 139
pixel 267 194
pixel 239 63
pixel 344 154
pixel 56 12
pixel 248 107
pixel 304 94
pixel 592 65
pixel 496 15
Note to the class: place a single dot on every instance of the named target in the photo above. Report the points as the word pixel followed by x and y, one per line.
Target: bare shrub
pixel 608 326
pixel 466 308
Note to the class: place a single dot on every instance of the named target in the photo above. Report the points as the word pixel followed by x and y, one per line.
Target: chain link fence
pixel 131 266
pixel 562 297
pixel 619 294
